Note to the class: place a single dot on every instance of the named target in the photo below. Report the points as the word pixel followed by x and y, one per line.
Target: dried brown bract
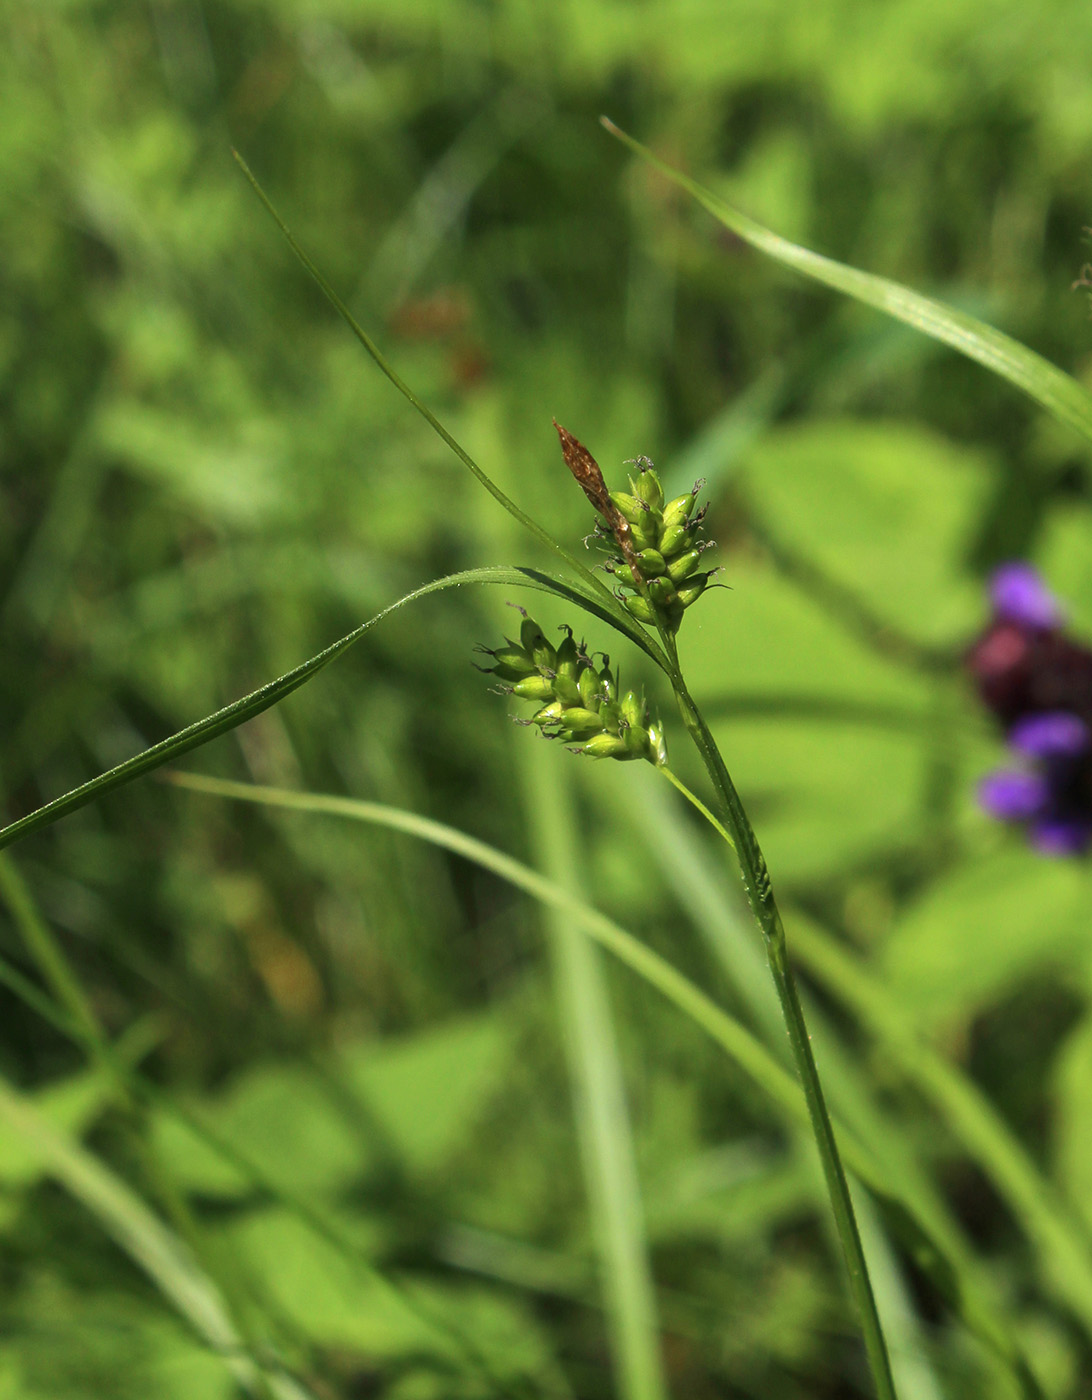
pixel 589 477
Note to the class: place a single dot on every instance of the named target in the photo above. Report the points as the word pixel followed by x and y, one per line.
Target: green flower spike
pixel 658 540
pixel 577 700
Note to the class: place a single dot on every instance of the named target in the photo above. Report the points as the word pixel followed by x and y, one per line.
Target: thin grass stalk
pixel 1056 1231
pixel 760 897
pixel 602 1117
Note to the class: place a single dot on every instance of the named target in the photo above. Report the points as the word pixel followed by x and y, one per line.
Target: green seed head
pixel 632 508
pixel 633 709
pixel 591 693
pixel 648 485
pixel 568 658
pixel 534 640
pixel 684 565
pixel 651 563
pixel 640 608
pixel 662 592
pixel 677 512
pixel 695 587
pixel 566 690
pixel 673 539
pixel 539 688
pixel 606 746
pixel 646 532
pixel 580 724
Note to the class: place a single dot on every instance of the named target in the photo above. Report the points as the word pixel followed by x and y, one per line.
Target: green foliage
pixel 378 1182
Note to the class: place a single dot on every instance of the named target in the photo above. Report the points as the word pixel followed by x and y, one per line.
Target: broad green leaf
pixel 313 1287
pixel 886 510
pixel 312 1150
pixel 1050 387
pixel 268 695
pixel 807 717
pixel 985 926
pixel 427 1091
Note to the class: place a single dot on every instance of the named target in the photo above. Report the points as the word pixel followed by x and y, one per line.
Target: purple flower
pixel 1019 595
pixel 1038 683
pixel 1054 735
pixel 1013 797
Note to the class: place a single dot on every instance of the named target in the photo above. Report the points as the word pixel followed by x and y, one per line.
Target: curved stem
pixel 741 837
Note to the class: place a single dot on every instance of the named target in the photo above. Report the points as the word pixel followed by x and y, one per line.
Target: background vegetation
pixel 204 483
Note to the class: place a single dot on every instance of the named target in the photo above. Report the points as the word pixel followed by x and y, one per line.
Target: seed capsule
pixel 633 709
pixel 606 746
pixel 649 488
pixel 657 744
pixel 549 714
pixel 640 609
pixel 566 690
pixel 674 538
pixel 632 509
pixel 651 563
pixel 568 658
pixel 580 723
pixel 591 695
pixel 677 512
pixel 611 715
pixel 685 564
pixel 512 662
pixel 692 591
pixel 534 640
pixel 662 591
pixel 646 532
pixel 534 688
pixel 636 741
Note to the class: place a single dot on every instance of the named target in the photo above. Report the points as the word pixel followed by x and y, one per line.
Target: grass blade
pixel 960 1285
pixel 1059 393
pixel 603 1125
pixel 579 569
pixel 239 711
pixel 147 1241
pixel 1059 1236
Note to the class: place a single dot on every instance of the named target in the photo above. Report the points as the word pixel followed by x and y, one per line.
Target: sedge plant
pixel 656 564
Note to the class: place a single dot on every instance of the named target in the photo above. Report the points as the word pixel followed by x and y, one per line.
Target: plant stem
pixel 756 882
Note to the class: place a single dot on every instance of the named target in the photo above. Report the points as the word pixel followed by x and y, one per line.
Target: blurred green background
pixel 205 482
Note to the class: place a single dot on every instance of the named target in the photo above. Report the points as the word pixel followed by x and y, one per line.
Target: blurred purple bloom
pixel 1019 595
pixel 1061 836
pixel 1038 683
pixel 1013 797
pixel 1055 734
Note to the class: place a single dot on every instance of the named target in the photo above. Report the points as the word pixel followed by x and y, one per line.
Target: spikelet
pixel 575 699
pixel 658 542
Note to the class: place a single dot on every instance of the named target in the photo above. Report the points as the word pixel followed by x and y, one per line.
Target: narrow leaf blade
pixel 1059 393
pixel 239 711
